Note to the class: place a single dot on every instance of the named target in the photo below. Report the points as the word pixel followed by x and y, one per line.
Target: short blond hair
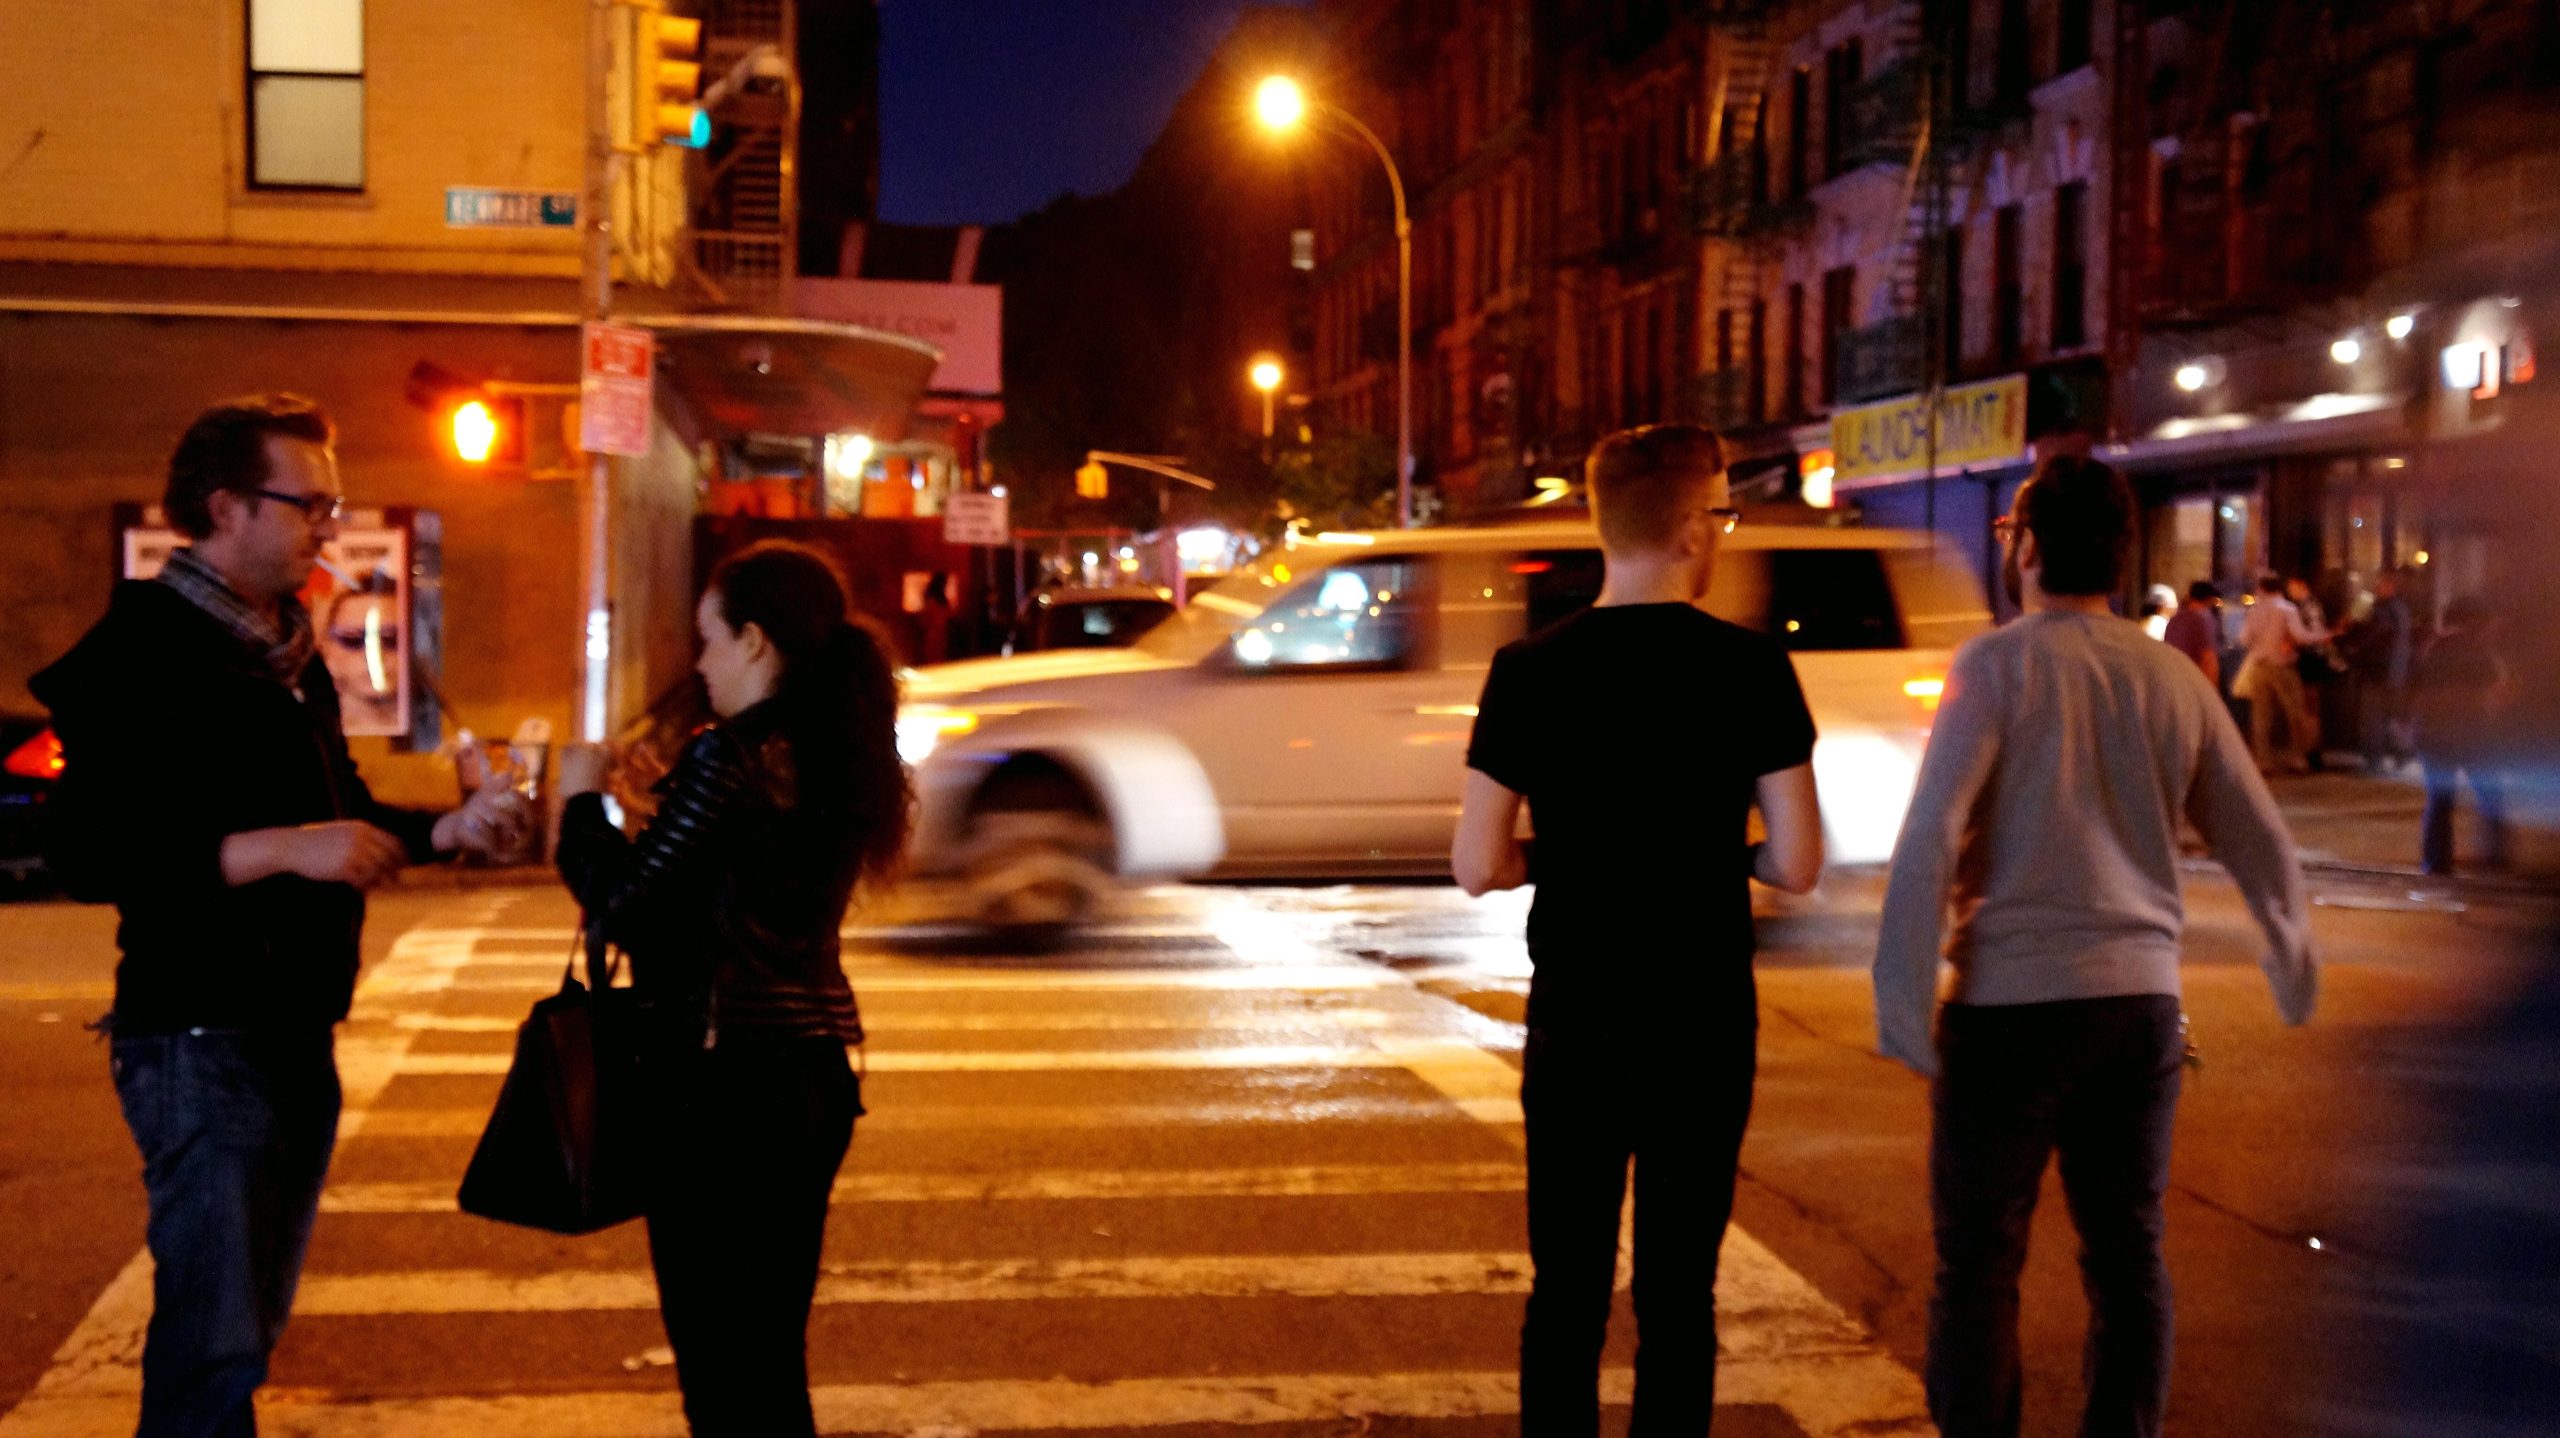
pixel 1642 481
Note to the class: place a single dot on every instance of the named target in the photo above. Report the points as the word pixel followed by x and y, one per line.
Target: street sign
pixel 469 207
pixel 614 381
pixel 976 519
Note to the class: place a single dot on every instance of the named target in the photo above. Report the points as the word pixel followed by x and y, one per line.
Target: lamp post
pixel 1265 375
pixel 1281 105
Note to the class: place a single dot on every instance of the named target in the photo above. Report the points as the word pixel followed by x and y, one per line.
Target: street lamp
pixel 1281 106
pixel 1266 378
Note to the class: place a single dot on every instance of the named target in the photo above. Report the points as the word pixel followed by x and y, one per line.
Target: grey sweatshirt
pixel 2065 753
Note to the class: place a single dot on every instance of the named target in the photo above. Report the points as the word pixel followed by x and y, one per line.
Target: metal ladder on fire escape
pixel 742 250
pixel 1737 106
pixel 1914 270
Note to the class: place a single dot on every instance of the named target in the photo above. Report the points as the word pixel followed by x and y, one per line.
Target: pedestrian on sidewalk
pixel 2462 684
pixel 1640 733
pixel 2065 757
pixel 2274 637
pixel 729 903
pixel 2384 648
pixel 207 793
pixel 2196 630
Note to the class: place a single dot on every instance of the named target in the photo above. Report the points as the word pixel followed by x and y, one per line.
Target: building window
pixel 1843 66
pixel 1799 132
pixel 1791 384
pixel 2071 36
pixel 1839 292
pixel 2070 266
pixel 2010 81
pixel 1951 321
pixel 306 94
pixel 1302 249
pixel 1953 21
pixel 1756 363
pixel 2008 329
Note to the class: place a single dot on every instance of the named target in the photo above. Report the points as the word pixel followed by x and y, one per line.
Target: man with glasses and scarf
pixel 2068 753
pixel 207 792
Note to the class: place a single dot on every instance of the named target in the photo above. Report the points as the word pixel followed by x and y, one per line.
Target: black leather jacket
pixel 730 901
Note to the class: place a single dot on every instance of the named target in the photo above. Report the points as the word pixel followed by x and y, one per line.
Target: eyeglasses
pixel 315 508
pixel 1726 520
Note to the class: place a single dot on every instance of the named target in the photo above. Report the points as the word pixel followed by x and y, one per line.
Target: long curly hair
pixel 838 693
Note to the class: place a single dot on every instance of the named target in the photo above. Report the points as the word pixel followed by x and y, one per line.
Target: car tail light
pixel 38 758
pixel 1927 689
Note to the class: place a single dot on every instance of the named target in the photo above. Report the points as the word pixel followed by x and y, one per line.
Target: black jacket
pixel 731 900
pixel 174 737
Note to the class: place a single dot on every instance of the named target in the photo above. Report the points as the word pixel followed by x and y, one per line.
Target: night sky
pixel 989 109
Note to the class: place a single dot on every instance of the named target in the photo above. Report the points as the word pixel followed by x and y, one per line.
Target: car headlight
pixel 923 727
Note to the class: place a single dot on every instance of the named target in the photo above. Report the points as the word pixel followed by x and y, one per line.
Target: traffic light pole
pixel 595 498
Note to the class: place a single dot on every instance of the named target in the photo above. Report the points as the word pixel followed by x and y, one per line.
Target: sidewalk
pixel 2345 820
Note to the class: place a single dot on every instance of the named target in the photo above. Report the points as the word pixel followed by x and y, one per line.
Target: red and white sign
pixel 614 382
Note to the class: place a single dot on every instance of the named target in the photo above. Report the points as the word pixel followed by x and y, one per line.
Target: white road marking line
pixel 1319 979
pixel 981 1021
pixel 1808 1388
pixel 103 1355
pixel 1289 1111
pixel 1210 1057
pixel 1288 1275
pixel 1284 1181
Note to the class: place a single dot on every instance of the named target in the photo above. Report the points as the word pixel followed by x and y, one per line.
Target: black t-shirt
pixel 1637 733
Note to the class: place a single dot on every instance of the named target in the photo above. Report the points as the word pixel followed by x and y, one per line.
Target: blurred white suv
pixel 1309 716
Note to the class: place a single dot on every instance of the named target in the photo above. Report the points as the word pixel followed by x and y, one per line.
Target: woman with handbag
pixel 728 904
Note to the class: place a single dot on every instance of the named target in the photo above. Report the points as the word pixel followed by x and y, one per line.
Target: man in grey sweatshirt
pixel 2067 752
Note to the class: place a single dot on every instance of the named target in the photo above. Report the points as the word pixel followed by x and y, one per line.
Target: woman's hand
pixel 583 768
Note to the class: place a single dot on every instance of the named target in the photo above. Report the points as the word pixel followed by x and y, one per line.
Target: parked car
pixel 30 766
pixel 1309 716
pixel 1076 618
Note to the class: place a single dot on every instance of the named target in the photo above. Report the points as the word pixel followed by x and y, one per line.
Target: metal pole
pixel 1404 317
pixel 595 502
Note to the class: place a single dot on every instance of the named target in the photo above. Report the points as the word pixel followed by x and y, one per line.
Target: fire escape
pixel 1729 204
pixel 741 252
pixel 1898 119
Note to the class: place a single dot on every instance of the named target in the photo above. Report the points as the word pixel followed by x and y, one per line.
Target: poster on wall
pixel 359 603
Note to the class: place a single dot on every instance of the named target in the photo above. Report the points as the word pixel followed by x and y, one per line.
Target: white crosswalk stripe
pixel 1268 1035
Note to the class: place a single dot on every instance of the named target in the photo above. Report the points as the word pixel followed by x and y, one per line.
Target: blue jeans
pixel 2094 1081
pixel 2435 827
pixel 235 1131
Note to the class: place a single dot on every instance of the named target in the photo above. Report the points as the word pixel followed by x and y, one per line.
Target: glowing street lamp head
pixel 475 432
pixel 1279 103
pixel 2191 377
pixel 1266 374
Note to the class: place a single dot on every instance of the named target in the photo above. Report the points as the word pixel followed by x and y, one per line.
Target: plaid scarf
pixel 285 646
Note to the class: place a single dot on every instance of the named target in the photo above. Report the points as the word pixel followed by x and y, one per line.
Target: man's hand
pixel 343 851
pixel 1919 1053
pixel 492 821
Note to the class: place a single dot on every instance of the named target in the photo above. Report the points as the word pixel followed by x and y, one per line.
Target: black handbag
pixel 559 1151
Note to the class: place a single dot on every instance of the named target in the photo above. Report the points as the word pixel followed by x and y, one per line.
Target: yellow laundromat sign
pixel 1978 424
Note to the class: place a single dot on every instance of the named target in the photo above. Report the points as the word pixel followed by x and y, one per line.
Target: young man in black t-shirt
pixel 1641 733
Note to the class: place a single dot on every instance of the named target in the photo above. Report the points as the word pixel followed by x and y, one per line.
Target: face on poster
pixel 359 602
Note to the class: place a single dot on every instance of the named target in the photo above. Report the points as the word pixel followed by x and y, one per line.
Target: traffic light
pixel 673 65
pixel 1093 481
pixel 475 424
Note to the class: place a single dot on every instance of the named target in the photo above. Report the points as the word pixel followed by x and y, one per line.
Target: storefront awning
pixel 2324 422
pixel 746 374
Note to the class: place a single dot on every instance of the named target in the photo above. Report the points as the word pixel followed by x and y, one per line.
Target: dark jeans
pixel 235 1131
pixel 755 1132
pixel 1593 1102
pixel 2095 1081
pixel 2435 827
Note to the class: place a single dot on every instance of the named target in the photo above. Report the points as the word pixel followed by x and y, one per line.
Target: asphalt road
pixel 1244 1157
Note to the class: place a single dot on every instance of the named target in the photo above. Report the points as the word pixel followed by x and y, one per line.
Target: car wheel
pixel 1038 859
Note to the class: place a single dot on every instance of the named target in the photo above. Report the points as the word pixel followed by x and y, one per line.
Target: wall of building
pixel 90 408
pixel 123 136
